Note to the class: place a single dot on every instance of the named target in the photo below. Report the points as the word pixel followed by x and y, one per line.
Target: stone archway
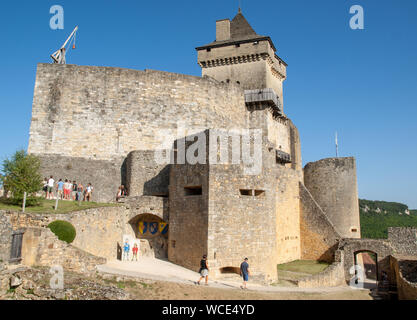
pixel 149 229
pixel 381 248
pixel 366 262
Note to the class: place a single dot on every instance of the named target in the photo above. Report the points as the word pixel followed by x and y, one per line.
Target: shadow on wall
pixel 123 173
pixel 230 270
pixel 158 185
pixel 119 252
pixel 329 255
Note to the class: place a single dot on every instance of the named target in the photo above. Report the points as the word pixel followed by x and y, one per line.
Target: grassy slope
pixel 303 266
pixel 47 206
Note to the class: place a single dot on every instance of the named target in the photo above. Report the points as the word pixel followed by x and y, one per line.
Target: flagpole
pixel 337 147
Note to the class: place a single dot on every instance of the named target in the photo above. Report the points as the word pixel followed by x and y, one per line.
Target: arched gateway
pixel 379 249
pixel 152 232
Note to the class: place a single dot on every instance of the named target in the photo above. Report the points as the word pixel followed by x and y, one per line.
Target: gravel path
pixel 160 270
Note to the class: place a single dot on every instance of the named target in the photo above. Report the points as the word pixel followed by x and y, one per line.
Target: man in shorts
pixel 60 185
pixel 245 273
pixel 204 270
pixel 50 191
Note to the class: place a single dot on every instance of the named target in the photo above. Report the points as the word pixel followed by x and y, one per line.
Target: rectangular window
pixel 193 191
pixel 173 242
pixel 245 192
pixel 259 193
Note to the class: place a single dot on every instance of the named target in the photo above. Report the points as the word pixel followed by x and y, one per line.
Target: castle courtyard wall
pixel 102 113
pixel 287 198
pixel 144 176
pixel 188 215
pixel 105 175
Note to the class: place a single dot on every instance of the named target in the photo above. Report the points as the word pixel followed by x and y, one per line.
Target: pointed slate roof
pixel 240 32
pixel 240 27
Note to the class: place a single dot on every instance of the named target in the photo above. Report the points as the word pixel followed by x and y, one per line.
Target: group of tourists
pixel 121 193
pixel 204 271
pixel 126 252
pixel 67 190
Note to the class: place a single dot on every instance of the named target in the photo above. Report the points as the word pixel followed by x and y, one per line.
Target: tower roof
pixel 240 27
pixel 240 32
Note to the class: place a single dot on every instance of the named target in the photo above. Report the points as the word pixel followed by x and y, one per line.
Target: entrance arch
pixel 152 232
pixel 381 248
pixel 366 262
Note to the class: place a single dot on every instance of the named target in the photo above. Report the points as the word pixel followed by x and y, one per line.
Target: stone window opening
pixel 246 192
pixel 354 230
pixel 208 49
pixel 230 270
pixel 173 243
pixel 259 193
pixel 193 191
pixel 237 45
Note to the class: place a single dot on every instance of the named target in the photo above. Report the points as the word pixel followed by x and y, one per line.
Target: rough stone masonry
pixel 102 125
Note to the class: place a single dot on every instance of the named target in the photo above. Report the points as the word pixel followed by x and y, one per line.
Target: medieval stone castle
pixel 102 125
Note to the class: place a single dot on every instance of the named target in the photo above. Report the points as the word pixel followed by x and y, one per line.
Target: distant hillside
pixel 378 216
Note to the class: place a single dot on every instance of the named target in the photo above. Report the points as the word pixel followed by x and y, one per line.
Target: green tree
pixel 21 173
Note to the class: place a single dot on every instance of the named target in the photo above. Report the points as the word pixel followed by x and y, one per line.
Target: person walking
pixel 204 271
pixel 244 272
pixel 50 192
pixel 126 249
pixel 135 250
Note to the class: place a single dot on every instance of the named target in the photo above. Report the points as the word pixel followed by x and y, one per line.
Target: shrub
pixel 21 174
pixel 64 230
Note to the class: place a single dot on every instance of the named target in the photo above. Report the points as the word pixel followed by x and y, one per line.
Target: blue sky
pixel 361 83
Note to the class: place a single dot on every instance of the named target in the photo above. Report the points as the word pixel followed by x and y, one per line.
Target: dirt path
pixel 163 280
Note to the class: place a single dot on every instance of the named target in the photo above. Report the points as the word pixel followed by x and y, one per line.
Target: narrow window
pixel 173 242
pixel 208 49
pixel 259 193
pixel 193 191
pixel 245 192
pixel 354 230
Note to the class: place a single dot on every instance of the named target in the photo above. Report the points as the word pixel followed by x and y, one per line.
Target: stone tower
pixel 333 184
pixel 242 56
